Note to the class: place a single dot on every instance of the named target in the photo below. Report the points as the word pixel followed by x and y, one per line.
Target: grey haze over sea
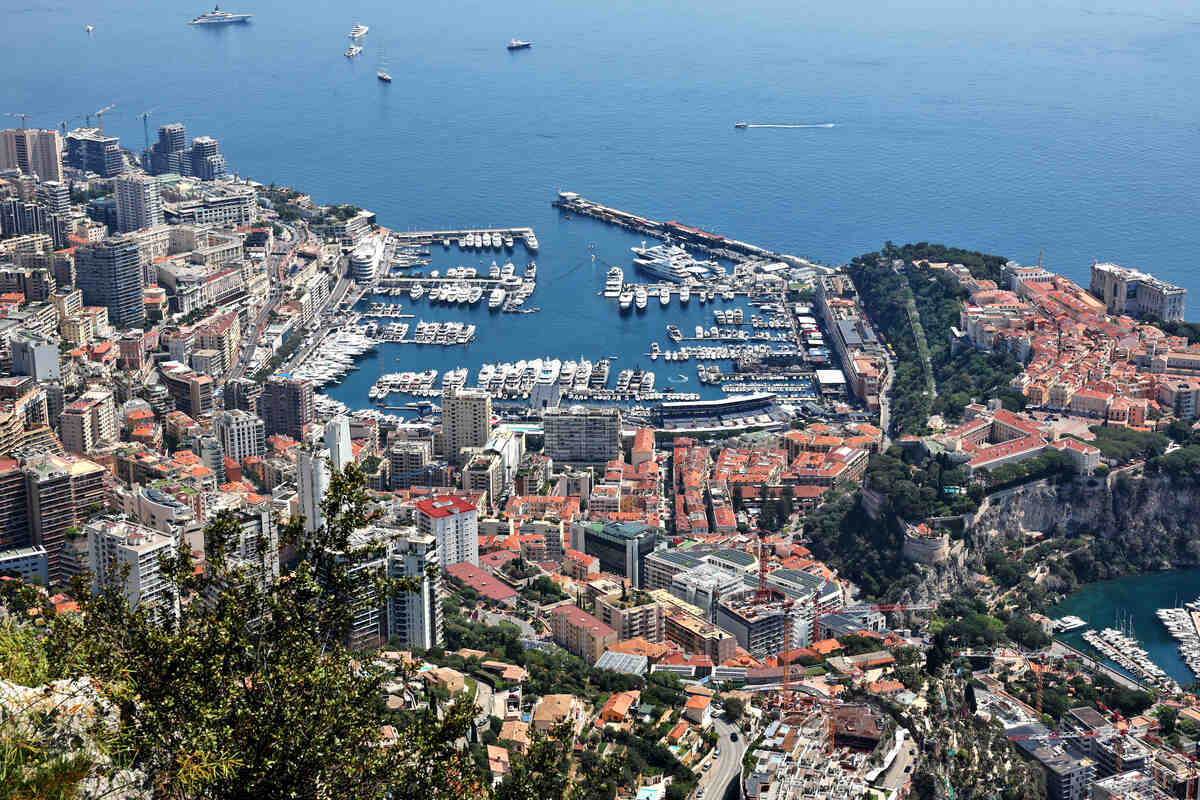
pixel 1069 126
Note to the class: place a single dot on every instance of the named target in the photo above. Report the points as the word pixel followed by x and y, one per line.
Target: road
pixel 526 629
pixel 727 767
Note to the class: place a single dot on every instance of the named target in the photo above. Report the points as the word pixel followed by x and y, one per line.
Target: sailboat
pixel 383 74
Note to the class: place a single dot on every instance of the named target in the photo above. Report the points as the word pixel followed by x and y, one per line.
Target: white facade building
pixel 454 523
pixel 312 478
pixel 240 433
pixel 126 554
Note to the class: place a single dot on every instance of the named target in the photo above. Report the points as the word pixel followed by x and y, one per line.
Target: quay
pixel 712 243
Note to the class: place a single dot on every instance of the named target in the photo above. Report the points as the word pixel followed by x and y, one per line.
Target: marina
pixel 1184 625
pixel 1122 648
pixel 659 302
pixel 1136 599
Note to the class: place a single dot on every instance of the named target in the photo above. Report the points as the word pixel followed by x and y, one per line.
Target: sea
pixel 1063 131
pixel 1131 602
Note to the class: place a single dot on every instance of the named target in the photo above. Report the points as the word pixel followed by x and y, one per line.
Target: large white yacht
pixel 359 31
pixel 613 282
pixel 218 17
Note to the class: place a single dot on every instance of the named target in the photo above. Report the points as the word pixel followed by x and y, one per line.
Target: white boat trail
pixel 813 125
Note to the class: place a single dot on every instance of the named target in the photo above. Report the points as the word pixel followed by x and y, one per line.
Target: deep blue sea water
pixel 1068 127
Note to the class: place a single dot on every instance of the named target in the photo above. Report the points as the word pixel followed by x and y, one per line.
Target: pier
pixel 713 244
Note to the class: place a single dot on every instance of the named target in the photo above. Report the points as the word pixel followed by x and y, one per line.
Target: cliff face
pixel 1138 524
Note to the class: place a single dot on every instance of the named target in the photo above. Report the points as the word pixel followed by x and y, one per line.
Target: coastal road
pixel 728 766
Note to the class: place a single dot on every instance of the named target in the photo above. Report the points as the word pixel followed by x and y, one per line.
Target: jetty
pixel 714 244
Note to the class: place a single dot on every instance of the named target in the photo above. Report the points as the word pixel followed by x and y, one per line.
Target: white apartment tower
pixel 454 524
pixel 127 555
pixel 415 618
pixel 139 202
pixel 240 433
pixel 337 441
pixel 312 477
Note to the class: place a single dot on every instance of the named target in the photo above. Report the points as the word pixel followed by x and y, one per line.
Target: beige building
pixel 580 633
pixel 632 614
pixel 466 421
pixel 33 151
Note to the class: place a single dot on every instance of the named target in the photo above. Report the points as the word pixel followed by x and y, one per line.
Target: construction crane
pixel 22 116
pixel 100 117
pixel 145 118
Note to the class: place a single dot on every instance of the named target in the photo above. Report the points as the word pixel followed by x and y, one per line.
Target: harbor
pixel 1122 648
pixel 1137 599
pixel 457 291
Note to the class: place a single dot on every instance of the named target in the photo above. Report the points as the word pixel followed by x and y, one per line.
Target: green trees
pixel 250 692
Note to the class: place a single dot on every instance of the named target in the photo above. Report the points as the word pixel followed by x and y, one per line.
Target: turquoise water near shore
pixel 1137 597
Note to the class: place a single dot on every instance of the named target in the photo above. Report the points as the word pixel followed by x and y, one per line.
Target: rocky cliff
pixel 1132 523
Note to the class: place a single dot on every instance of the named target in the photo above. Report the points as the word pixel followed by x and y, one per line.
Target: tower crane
pixel 100 116
pixel 22 116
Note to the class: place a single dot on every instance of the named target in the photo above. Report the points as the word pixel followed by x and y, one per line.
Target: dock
pixel 714 244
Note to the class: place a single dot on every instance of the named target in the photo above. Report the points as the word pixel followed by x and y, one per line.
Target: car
pixel 717 752
pixel 733 737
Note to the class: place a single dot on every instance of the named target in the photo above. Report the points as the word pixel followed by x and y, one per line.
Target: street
pixel 727 767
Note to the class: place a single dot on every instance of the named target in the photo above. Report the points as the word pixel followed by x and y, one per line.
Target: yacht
pixel 599 378
pixel 487 240
pixel 416 292
pixel 613 282
pixel 494 271
pixel 517 44
pixel 358 31
pixel 663 261
pixel 664 297
pixel 741 124
pixel 214 17
pixel 639 298
pixel 476 241
pixel 626 299
pixel 496 298
pixel 685 294
pixel 508 241
pixel 476 295
pixel 384 76
pixel 464 242
pixel 531 241
pixel 353 50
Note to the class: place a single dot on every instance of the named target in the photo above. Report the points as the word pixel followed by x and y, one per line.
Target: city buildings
pixel 240 433
pixel 91 151
pixel 582 436
pixel 286 406
pixel 621 547
pixel 632 614
pixel 1132 292
pixel 33 151
pixel 126 555
pixel 454 524
pixel 580 633
pixel 36 356
pixel 139 202
pixel 337 441
pixel 416 619
pixel 110 274
pixel 466 421
pixel 312 480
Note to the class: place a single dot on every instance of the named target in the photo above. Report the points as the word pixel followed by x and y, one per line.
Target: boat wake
pixel 813 125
